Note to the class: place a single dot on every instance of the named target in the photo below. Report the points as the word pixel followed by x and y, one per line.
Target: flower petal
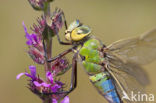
pixel 28 42
pixel 32 39
pixel 49 76
pixel 54 101
pixel 19 75
pixel 25 29
pixel 27 35
pixel 35 40
pixel 37 84
pixel 28 75
pixel 65 100
pixel 55 88
pixel 45 84
pixel 33 71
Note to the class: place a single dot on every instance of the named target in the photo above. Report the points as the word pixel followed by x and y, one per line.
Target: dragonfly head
pixel 76 31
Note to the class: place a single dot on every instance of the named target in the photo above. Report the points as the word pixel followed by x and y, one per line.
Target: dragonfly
pixel 115 70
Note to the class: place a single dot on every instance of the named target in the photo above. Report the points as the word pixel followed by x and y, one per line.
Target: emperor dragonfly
pixel 115 69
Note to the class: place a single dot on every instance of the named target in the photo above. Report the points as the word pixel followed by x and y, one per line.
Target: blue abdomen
pixel 106 87
pixel 110 91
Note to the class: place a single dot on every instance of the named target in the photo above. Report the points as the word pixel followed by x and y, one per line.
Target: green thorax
pixel 90 50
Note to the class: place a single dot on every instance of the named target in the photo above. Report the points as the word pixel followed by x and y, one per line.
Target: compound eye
pixel 83 30
pixel 79 31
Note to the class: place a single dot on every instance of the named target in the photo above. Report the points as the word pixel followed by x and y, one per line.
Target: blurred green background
pixel 110 20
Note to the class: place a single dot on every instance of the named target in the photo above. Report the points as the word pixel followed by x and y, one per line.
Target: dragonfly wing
pixel 128 67
pixel 128 83
pixel 140 50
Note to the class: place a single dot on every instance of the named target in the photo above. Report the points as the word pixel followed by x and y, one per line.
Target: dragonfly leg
pixel 73 83
pixel 62 42
pixel 45 49
pixel 66 27
pixel 65 22
pixel 60 55
pixel 74 73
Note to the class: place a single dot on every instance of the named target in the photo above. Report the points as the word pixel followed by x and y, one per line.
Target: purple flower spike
pixel 48 89
pixel 32 39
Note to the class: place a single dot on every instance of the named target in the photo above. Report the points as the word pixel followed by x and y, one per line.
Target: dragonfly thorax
pixel 92 58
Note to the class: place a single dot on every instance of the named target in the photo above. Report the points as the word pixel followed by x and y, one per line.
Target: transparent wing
pixel 128 67
pixel 140 50
pixel 128 83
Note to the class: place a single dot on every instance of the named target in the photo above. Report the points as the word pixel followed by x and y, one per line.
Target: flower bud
pixel 39 4
pixel 55 22
pixel 39 28
pixel 36 55
pixel 60 66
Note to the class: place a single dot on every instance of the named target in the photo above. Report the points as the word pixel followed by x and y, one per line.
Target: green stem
pixel 48 43
pixel 49 40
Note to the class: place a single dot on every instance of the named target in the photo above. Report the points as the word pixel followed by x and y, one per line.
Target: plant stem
pixel 48 44
pixel 48 41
